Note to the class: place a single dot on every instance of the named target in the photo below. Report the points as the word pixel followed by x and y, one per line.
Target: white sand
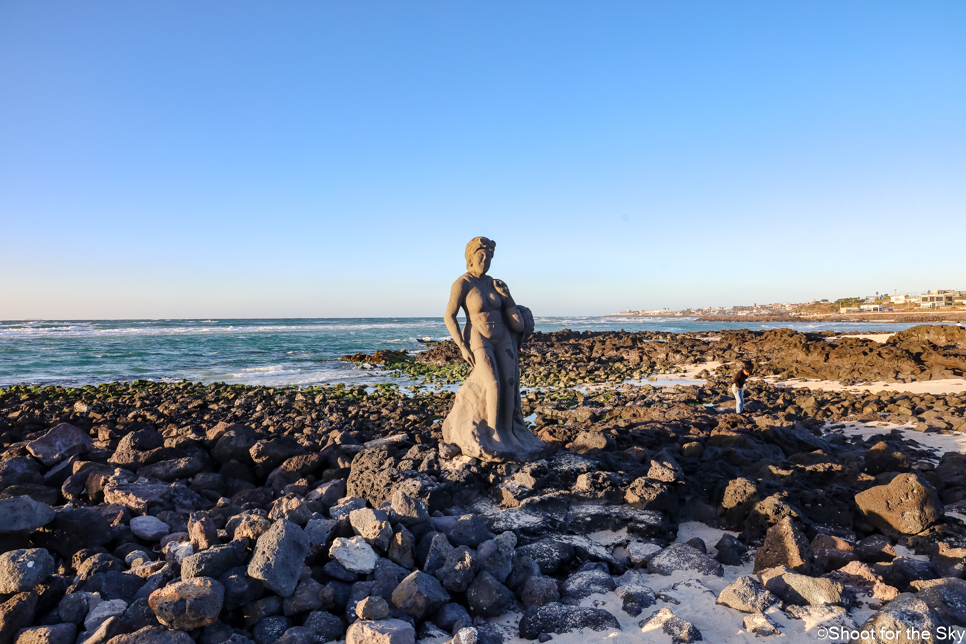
pixel 875 337
pixel 688 379
pixel 938 443
pixel 696 594
pixel 934 387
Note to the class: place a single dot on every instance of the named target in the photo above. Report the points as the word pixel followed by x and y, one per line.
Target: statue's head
pixel 479 253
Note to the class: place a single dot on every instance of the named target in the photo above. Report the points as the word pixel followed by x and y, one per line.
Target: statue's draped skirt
pixel 486 420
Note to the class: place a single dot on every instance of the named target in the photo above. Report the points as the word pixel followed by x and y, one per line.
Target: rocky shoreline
pixel 146 512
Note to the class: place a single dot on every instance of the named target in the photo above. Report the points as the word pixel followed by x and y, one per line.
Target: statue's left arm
pixel 510 311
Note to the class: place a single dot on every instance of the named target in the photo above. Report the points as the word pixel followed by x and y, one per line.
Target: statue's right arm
pixel 456 297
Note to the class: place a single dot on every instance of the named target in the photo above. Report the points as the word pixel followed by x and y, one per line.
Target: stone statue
pixel 487 419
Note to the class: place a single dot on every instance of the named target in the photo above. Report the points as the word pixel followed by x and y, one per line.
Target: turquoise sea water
pixel 259 352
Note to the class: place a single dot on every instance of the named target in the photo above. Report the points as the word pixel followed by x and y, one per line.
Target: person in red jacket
pixel 738 386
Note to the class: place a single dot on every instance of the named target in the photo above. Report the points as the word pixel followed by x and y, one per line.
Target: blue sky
pixel 314 159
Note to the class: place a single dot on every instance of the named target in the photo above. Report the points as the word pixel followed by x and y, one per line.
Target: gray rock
pixel 149 528
pixel 469 530
pixel 75 607
pixel 73 530
pixel 401 549
pixel 114 585
pixel 496 557
pixel 761 625
pixel 452 617
pixel 298 635
pixel 328 494
pixel 320 531
pixel 240 589
pixel 309 595
pixel 271 629
pixel 23 514
pixel 438 550
pixel 539 590
pixel 905 612
pixel 386 577
pixel 372 608
pixel 558 619
pixel 354 554
pixel 680 556
pixel 419 595
pixel 189 604
pixel 56 634
pixel 584 584
pixel 681 631
pixel 102 612
pixel 487 597
pixel 326 625
pixel 16 613
pixel 635 598
pixel 785 545
pixel 22 570
pixel 154 635
pixel 408 510
pixel 341 510
pixel 549 554
pixel 214 562
pixel 747 595
pixel 373 526
pixel 59 443
pixel 458 571
pixel 793 588
pixel 279 556
pixel 388 631
pixel 908 505
pixel 948 598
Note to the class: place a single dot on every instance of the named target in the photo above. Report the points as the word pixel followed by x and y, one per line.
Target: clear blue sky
pixel 332 158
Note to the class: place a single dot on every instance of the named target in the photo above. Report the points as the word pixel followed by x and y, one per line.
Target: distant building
pixel 899 299
pixel 870 307
pixel 937 299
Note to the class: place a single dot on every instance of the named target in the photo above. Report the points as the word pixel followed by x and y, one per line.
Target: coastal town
pixel 929 301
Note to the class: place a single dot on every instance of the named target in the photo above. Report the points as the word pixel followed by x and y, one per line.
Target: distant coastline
pixel 888 317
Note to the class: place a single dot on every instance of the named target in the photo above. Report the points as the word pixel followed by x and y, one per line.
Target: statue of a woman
pixel 487 420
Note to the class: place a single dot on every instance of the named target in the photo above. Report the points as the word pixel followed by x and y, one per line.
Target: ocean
pixel 262 352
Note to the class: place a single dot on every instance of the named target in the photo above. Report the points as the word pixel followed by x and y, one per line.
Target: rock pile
pixel 148 513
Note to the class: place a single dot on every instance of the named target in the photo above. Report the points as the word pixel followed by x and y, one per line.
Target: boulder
pixel 907 505
pixel 23 514
pixel 680 631
pixel 680 556
pixel 904 613
pixel 59 443
pixel 355 555
pixel 784 545
pixel 419 595
pixel 279 555
pixel 804 590
pixel 387 631
pixel 56 634
pixel 539 590
pixel 586 583
pixel 487 597
pixel 158 635
pixel 16 613
pixel 559 618
pixel 22 570
pixel 747 595
pixel 149 528
pixel 190 604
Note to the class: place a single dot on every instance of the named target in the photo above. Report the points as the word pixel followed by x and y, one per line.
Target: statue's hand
pixel 501 288
pixel 468 356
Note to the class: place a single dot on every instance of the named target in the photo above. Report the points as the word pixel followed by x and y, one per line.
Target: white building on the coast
pixel 938 299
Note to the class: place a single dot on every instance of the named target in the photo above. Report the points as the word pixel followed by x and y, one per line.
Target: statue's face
pixel 481 260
